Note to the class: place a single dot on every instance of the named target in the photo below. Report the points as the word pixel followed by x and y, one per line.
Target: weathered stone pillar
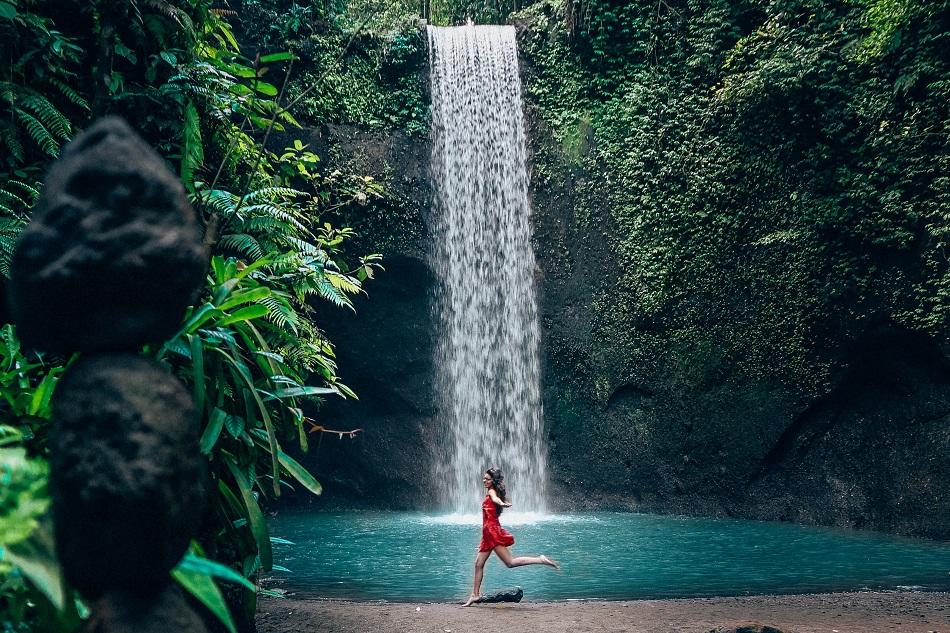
pixel 109 262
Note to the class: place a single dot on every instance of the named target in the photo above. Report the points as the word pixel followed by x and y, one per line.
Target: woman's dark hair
pixel 497 482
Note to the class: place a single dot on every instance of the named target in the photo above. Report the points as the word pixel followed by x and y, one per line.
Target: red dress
pixel 493 534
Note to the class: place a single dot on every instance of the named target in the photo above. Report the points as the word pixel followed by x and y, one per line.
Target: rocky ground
pixel 865 612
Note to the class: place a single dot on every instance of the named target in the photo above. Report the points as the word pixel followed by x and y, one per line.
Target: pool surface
pixel 402 556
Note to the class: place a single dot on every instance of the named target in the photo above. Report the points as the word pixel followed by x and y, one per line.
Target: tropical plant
pixel 250 348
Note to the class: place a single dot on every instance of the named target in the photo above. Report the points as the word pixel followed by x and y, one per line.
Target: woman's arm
pixel 496 499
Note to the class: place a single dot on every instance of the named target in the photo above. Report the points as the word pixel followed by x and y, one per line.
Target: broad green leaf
pixel 202 587
pixel 246 296
pixel 235 425
pixel 218 268
pixel 299 473
pixel 254 516
pixel 244 314
pixel 39 403
pixel 199 317
pixel 211 433
pixel 300 392
pixel 198 371
pixel 277 57
pixel 208 567
pixel 7 11
pixel 192 151
pixel 10 435
pixel 229 284
pixel 265 88
pixel 36 559
pixel 264 261
pixel 252 392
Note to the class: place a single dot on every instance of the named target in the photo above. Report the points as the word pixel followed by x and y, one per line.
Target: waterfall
pixel 487 355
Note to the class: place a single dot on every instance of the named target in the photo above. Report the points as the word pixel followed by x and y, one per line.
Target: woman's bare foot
pixel 472 598
pixel 550 562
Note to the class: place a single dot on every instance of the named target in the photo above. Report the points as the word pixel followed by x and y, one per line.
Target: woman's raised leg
pixel 520 561
pixel 479 573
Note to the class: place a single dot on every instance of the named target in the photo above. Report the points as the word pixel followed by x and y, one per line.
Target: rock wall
pixel 639 415
pixel 385 349
pixel 689 436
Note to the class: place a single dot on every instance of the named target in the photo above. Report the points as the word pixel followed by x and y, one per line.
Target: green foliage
pixel 34 90
pixel 369 79
pixel 250 349
pixel 32 591
pixel 771 176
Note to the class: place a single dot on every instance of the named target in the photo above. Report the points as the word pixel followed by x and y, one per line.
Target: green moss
pixel 772 189
pixel 377 82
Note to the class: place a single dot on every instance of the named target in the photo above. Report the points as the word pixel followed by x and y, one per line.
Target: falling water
pixel 488 348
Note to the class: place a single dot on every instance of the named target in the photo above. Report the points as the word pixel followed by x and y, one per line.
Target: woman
pixel 496 538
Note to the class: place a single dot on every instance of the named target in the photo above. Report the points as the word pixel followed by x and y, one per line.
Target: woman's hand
pixel 506 505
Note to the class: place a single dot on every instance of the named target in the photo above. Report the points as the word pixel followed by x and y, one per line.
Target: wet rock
pixel 126 473
pixel 512 594
pixel 749 628
pixel 113 254
pixel 151 612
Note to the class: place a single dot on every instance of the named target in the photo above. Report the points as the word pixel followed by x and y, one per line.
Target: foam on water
pixel 507 518
pixel 487 355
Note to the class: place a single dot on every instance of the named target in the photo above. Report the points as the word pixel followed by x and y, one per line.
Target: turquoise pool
pixel 412 556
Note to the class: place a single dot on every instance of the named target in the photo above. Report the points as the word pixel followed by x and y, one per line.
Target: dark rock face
pixel 873 452
pixel 385 354
pixel 385 351
pixel 126 505
pixel 113 253
pixel 511 594
pixel 153 612
pixel 684 434
pixel 681 432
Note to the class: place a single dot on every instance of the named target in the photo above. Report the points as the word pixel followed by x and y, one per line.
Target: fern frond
pixel 46 112
pixel 281 312
pixel 242 243
pixel 38 132
pixel 285 215
pixel 10 198
pixel 344 283
pixel 305 247
pixel 175 14
pixel 269 193
pixel 31 191
pixel 268 227
pixel 8 92
pixel 10 229
pixel 287 261
pixel 193 155
pixel 330 292
pixel 71 95
pixel 217 200
pixel 9 137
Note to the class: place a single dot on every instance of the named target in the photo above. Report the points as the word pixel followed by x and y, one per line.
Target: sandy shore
pixel 865 612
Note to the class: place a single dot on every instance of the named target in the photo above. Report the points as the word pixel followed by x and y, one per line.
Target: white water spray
pixel 487 355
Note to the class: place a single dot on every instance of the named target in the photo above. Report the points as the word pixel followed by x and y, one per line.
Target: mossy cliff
pixel 740 221
pixel 741 216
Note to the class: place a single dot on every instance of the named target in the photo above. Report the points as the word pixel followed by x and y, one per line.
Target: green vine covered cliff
pixel 743 219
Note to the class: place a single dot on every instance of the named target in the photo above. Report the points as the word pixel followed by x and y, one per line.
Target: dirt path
pixel 869 612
